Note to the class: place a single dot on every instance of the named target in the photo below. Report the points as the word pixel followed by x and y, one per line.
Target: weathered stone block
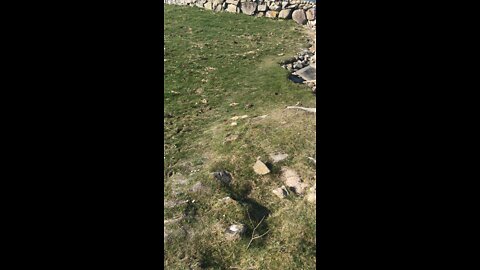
pixel 285 14
pixel 234 2
pixel 271 14
pixel 311 14
pixel 299 16
pixel 232 8
pixel 262 7
pixel 208 5
pixel 248 8
pixel 261 14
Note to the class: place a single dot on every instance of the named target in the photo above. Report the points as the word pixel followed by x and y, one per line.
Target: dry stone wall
pixel 302 12
pixel 302 65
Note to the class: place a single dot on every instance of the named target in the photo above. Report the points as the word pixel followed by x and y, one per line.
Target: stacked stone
pixel 300 61
pixel 302 12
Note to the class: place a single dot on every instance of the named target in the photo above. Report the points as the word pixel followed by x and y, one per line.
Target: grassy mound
pixel 219 66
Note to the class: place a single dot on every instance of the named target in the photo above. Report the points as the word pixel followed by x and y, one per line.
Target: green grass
pixel 213 60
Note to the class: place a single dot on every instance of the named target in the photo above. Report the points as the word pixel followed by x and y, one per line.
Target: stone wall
pixel 302 12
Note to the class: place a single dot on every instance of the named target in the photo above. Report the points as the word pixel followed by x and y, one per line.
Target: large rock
pixel 275 7
pixel 232 8
pixel 262 7
pixel 217 2
pixel 218 8
pixel 208 5
pixel 299 16
pixel 271 14
pixel 312 194
pixel 307 73
pixel 261 14
pixel 248 7
pixel 234 2
pixel 311 14
pixel 285 14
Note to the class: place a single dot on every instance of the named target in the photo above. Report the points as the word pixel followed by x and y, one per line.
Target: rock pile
pixel 304 64
pixel 301 60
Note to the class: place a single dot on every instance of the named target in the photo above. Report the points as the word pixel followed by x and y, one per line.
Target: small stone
pixel 280 192
pixel 227 200
pixel 298 65
pixel 260 168
pixel 299 16
pixel 248 8
pixel 234 231
pixel 232 8
pixel 234 118
pixel 312 194
pixel 233 124
pixel 198 187
pixel 278 157
pixel 292 180
pixel 262 7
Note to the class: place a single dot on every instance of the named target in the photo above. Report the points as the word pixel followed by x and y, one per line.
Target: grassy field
pixel 218 66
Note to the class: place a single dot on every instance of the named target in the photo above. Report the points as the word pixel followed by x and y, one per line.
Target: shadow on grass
pixel 209 261
pixel 255 212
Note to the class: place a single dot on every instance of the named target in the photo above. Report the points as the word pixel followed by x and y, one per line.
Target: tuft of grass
pixel 211 61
